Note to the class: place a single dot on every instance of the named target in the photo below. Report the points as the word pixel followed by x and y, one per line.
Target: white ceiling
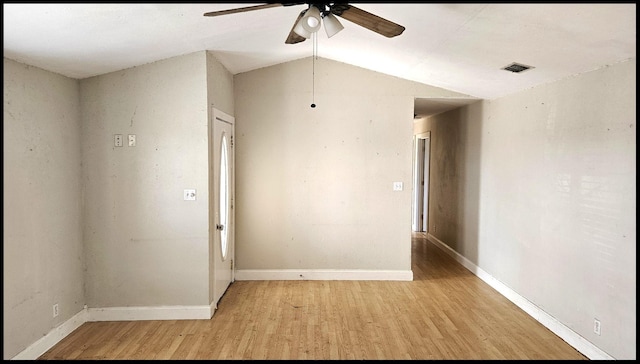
pixel 460 47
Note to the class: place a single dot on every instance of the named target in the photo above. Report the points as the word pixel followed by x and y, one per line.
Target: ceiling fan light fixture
pixel 300 30
pixel 311 20
pixel 331 25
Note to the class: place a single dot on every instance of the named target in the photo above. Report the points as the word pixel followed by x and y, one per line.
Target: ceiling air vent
pixel 516 67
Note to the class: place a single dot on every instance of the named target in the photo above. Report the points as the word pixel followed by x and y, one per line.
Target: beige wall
pixel 219 85
pixel 538 189
pixel 314 185
pixel 145 245
pixel 42 232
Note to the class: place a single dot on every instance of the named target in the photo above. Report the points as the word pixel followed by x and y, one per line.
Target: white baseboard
pixel 53 337
pixel 322 275
pixel 571 337
pixel 35 350
pixel 150 313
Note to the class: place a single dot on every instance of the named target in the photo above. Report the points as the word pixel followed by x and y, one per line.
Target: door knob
pixel 219 227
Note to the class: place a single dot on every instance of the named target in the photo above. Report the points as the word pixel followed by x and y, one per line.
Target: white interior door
pixel 425 181
pixel 222 204
pixel 421 158
pixel 418 165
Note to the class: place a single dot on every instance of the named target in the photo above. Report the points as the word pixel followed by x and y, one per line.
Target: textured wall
pixel 314 185
pixel 538 189
pixel 145 245
pixel 42 232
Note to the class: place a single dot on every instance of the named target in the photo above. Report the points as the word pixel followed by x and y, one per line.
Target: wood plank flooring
pixel 444 313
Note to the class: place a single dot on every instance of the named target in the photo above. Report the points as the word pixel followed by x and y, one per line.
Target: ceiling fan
pixel 309 20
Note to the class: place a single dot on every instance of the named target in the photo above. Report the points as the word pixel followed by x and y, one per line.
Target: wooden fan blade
pixel 241 10
pixel 365 19
pixel 293 37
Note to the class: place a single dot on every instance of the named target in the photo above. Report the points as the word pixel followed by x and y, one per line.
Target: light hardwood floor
pixel 444 313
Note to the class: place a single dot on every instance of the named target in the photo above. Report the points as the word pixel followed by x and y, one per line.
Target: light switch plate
pixel 189 195
pixel 132 140
pixel 397 186
pixel 117 140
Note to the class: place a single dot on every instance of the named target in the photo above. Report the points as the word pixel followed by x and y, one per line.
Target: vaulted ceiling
pixel 460 47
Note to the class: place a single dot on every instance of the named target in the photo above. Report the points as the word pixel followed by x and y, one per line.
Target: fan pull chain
pixel 313 81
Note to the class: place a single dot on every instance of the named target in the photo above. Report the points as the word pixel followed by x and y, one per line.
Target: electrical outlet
pixel 55 310
pixel 596 326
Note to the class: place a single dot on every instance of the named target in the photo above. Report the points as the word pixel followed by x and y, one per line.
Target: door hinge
pixel 232 141
pixel 231 264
